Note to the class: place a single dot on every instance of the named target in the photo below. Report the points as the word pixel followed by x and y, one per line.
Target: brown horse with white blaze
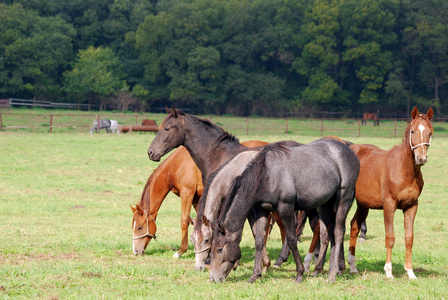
pixel 391 180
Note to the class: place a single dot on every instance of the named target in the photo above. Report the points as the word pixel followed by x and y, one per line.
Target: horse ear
pixel 192 221
pixel 174 112
pixel 430 113
pixel 205 220
pixel 134 209
pixel 221 229
pixel 414 112
pixel 139 209
pixel 168 111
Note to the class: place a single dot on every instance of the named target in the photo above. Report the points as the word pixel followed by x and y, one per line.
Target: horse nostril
pixel 149 153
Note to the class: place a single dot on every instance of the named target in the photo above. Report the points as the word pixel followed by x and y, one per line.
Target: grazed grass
pixel 65 230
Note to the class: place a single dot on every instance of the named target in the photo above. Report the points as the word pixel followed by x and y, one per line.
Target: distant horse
pixel 391 180
pixel 210 147
pixel 178 174
pixel 370 116
pixel 114 126
pixel 320 174
pixel 104 123
pixel 148 122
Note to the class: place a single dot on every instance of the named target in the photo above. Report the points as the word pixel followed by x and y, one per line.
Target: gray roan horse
pixel 104 123
pixel 210 147
pixel 320 174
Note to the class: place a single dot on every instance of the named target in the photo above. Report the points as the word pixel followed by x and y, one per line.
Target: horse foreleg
pixel 186 197
pixel 355 225
pixel 409 216
pixel 260 218
pixel 388 212
pixel 288 216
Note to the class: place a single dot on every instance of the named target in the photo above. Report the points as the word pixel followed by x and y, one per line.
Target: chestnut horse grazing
pixel 177 174
pixel 391 180
pixel 370 116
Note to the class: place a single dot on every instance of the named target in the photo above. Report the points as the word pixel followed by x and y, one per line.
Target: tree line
pixel 240 57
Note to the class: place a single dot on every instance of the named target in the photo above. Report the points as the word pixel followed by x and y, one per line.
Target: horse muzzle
pixel 152 156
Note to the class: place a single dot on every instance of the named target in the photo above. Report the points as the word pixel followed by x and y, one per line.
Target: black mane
pixel 250 180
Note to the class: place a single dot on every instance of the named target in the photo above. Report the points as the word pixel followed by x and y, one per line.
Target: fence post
pixel 98 123
pixel 395 130
pixel 286 126
pixel 247 126
pixel 51 123
pixel 321 127
pixel 136 122
pixel 359 128
pixel 1 123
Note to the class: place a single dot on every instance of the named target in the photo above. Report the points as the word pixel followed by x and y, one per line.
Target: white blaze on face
pixel 421 128
pixel 133 245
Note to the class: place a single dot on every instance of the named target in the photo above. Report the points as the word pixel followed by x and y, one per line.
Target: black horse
pixel 320 174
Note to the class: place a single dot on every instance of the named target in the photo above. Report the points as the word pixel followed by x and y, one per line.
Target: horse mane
pixel 250 180
pixel 223 136
pixel 145 197
pixel 201 203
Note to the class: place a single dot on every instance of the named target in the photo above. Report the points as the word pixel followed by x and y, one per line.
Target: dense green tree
pixel 96 73
pixel 34 51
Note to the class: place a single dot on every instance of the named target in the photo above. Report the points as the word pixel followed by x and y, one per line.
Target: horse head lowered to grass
pixel 391 180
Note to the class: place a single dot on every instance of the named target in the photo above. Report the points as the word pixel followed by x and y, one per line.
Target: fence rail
pixel 252 126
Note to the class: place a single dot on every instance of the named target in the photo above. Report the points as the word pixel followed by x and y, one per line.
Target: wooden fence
pixel 252 126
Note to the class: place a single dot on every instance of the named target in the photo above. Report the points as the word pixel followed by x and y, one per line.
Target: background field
pixel 65 229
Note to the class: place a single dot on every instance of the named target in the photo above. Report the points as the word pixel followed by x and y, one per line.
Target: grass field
pixel 65 229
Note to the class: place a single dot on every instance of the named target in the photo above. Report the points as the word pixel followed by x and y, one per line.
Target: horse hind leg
pixel 314 242
pixel 287 214
pixel 186 203
pixel 355 226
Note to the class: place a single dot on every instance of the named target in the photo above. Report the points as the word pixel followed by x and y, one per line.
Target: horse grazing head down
pixel 419 134
pixel 169 136
pixel 224 254
pixel 201 239
pixel 144 229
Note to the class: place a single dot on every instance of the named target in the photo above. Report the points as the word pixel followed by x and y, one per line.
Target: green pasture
pixel 65 228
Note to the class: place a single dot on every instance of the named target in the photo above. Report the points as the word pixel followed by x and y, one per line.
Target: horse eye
pixel 219 250
pixel 207 241
pixel 166 129
pixel 140 228
pixel 412 131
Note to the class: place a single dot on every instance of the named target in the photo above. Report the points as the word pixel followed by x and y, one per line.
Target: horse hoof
pixel 299 279
pixel 177 255
pixel 315 273
pixel 253 278
pixel 361 240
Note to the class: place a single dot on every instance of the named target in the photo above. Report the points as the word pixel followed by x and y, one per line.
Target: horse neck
pixel 155 191
pixel 407 163
pixel 207 151
pixel 237 213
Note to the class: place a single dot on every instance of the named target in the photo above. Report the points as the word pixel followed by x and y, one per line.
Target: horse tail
pixel 249 182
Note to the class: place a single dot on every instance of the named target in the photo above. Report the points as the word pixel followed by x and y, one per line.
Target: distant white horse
pixel 114 126
pixel 104 123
